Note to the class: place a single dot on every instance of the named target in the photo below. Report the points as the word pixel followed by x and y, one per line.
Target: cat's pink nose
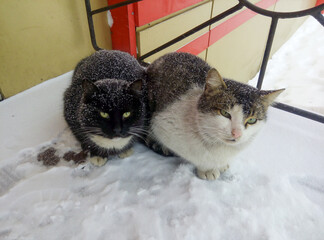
pixel 236 133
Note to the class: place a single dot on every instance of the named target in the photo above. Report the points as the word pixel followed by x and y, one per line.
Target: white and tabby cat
pixel 200 116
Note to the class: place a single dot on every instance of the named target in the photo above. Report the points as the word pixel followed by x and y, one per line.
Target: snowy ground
pixel 273 190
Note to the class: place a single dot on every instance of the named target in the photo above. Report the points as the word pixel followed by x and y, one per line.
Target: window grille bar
pixel 300 112
pixel 267 51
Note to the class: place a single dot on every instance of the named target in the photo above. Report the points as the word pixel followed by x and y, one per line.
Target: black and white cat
pixel 200 116
pixel 105 104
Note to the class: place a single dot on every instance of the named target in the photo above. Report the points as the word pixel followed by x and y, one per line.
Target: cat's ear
pixel 268 97
pixel 214 80
pixel 136 86
pixel 89 88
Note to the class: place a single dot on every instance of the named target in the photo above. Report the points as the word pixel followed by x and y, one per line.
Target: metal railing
pixel 91 12
pixel 275 16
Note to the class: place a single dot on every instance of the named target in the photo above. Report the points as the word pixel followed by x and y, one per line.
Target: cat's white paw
pixel 208 175
pixel 223 169
pixel 98 161
pixel 126 154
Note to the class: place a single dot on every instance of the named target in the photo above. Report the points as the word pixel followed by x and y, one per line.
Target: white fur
pixel 202 139
pixel 116 143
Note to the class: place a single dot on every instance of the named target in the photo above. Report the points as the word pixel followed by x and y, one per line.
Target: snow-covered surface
pixel 273 190
pixel 299 67
pixel 32 117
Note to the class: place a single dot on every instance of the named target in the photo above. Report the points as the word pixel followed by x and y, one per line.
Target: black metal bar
pixel 194 30
pixel 91 27
pixel 268 13
pixel 267 50
pixel 1 96
pixel 319 17
pixel 114 6
pixel 300 112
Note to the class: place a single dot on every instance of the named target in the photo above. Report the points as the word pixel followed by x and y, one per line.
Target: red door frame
pixel 127 18
pixel 123 30
pixel 319 2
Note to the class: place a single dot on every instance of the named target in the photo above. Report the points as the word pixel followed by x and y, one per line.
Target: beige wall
pixel 239 54
pixel 41 39
pixel 157 33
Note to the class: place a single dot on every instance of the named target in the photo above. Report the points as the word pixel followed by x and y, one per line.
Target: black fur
pixel 112 82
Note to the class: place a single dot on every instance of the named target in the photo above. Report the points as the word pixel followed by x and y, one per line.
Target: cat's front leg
pixel 209 174
pixel 98 161
pixel 223 169
pixel 126 153
pixel 157 147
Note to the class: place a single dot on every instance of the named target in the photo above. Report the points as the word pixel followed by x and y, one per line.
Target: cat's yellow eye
pixel 126 114
pixel 251 121
pixel 104 115
pixel 224 113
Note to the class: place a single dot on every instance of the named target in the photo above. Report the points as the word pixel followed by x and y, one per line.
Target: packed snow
pixel 273 190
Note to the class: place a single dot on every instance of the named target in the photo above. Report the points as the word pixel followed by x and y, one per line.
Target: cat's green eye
pixel 251 121
pixel 126 115
pixel 104 115
pixel 224 113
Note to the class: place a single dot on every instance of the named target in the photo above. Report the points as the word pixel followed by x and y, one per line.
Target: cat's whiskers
pixel 145 119
pixel 139 130
pixel 139 136
pixel 215 136
pixel 93 131
pixel 90 130
pixel 216 130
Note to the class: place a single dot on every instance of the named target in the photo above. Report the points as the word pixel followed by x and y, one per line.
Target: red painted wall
pixel 319 2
